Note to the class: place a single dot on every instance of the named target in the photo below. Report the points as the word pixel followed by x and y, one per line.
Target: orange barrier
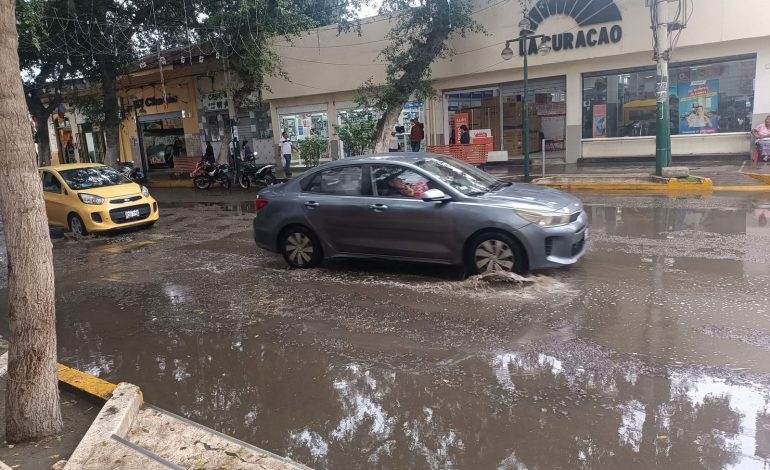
pixel 474 154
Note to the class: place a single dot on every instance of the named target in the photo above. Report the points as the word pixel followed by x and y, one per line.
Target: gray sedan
pixel 419 207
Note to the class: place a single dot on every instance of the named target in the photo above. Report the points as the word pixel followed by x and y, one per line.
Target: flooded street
pixel 653 351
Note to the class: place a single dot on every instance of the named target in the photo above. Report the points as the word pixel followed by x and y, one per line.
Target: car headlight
pixel 91 199
pixel 545 219
pixel 145 191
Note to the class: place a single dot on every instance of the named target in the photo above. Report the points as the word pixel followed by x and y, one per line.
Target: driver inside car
pixel 415 189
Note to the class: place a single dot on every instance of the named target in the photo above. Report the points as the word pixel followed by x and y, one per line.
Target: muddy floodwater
pixel 652 352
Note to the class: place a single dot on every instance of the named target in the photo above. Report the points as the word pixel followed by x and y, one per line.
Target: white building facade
pixel 592 97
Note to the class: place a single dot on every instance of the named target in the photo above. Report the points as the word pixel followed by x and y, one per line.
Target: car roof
pixel 72 166
pixel 411 158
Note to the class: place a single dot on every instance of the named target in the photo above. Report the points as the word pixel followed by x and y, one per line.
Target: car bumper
pixel 553 247
pixel 264 237
pixel 109 216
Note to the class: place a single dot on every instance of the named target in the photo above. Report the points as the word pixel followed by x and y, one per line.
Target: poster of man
pixel 698 107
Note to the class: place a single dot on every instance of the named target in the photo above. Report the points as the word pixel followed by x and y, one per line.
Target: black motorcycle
pixel 132 172
pixel 251 172
pixel 205 174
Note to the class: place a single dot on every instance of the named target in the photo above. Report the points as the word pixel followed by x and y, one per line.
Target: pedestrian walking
pixel 465 135
pixel 248 154
pixel 208 156
pixel 286 148
pixel 762 134
pixel 393 144
pixel 416 135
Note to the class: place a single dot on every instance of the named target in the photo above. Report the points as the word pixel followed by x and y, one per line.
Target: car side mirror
pixel 435 195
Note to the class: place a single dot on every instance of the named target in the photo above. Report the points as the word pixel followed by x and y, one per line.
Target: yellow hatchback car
pixel 88 197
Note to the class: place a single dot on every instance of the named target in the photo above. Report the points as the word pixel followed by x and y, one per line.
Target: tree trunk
pixel 385 125
pixel 111 118
pixel 32 393
pixel 43 139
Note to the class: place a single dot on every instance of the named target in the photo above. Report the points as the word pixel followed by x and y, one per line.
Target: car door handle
pixel 311 204
pixel 378 207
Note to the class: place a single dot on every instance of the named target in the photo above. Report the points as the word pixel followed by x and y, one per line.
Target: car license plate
pixel 132 214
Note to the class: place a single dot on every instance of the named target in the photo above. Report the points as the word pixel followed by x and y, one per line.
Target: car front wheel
pixel 77 226
pixel 300 248
pixel 495 252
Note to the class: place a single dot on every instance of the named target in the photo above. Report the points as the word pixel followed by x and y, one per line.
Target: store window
pixel 477 109
pixel 300 126
pixel 704 98
pixel 162 139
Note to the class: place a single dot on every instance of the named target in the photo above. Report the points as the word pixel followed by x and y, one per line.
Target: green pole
pixel 662 129
pixel 526 115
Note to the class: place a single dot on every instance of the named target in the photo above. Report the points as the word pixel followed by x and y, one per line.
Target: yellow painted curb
pixel 86 383
pixel 170 184
pixel 755 187
pixel 706 186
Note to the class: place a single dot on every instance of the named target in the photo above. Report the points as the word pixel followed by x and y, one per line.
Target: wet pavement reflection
pixel 654 351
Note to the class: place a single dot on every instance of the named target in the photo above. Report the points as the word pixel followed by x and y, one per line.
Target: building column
pixel 331 116
pixel 574 121
pixel 761 90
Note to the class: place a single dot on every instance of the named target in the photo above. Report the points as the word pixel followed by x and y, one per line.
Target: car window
pixel 93 177
pixel 397 181
pixel 459 175
pixel 51 184
pixel 343 181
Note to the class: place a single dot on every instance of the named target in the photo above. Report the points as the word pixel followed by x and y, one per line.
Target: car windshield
pixel 92 177
pixel 465 178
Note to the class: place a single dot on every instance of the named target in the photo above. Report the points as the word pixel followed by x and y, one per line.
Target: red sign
pixel 460 120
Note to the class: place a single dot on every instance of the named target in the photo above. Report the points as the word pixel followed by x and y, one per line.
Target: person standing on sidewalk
pixel 416 135
pixel 762 135
pixel 393 144
pixel 286 148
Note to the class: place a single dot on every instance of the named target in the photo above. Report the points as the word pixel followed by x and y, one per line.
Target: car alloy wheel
pixel 300 248
pixel 77 227
pixel 494 255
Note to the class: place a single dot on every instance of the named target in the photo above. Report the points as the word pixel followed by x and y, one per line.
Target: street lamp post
pixel 526 35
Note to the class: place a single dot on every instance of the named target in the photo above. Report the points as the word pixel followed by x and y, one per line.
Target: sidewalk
pixel 128 433
pixel 720 172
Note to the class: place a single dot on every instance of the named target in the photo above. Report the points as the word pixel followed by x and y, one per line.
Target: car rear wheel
pixel 300 248
pixel 495 252
pixel 77 226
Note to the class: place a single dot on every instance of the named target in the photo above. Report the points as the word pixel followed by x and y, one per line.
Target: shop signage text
pixel 154 101
pixel 587 15
pixel 566 41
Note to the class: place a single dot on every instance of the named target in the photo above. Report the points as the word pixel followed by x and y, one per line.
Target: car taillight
pixel 260 203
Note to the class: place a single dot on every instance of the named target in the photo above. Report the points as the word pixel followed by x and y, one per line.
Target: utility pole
pixel 662 117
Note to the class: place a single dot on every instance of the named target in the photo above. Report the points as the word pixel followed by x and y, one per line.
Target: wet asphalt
pixel 652 352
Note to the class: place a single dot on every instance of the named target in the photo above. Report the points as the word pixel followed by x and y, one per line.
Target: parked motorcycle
pixel 257 173
pixel 132 172
pixel 205 174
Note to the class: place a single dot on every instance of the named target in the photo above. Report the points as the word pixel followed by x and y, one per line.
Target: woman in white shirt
pixel 393 144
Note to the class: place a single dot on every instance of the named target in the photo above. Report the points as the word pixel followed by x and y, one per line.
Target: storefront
pixel 591 97
pixel 157 133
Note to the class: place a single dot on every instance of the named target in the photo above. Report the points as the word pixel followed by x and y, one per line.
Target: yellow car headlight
pixel 145 191
pixel 91 199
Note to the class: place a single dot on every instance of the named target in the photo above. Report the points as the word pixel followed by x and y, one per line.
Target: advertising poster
pixel 698 107
pixel 483 136
pixel 600 120
pixel 461 119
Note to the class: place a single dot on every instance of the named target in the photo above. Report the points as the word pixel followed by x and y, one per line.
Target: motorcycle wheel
pixel 225 182
pixel 243 181
pixel 201 182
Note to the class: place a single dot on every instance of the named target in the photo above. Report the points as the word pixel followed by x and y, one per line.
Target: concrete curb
pixel 170 184
pixel 115 418
pixel 81 383
pixel 625 183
